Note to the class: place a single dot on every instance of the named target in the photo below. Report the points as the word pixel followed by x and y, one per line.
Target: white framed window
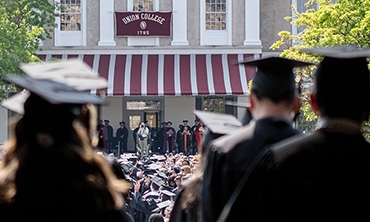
pixel 300 6
pixel 215 22
pixel 142 6
pixel 71 29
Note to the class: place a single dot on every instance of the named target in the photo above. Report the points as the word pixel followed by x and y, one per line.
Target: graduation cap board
pixel 164 204
pixel 54 92
pixel 157 181
pixel 72 72
pixel 339 52
pixel 219 123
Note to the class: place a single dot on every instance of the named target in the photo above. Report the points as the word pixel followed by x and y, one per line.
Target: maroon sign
pixel 143 23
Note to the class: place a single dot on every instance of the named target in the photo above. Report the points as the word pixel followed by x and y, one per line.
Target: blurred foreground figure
pixel 51 171
pixel 325 175
pixel 273 104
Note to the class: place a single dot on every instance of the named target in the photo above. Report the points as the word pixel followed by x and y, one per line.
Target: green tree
pixel 23 24
pixel 326 23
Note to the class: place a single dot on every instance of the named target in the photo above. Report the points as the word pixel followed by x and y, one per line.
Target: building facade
pixel 165 58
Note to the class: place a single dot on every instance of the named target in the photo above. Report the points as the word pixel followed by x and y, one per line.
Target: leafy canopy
pixel 326 23
pixel 23 24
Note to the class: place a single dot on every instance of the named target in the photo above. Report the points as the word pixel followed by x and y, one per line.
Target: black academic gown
pixel 324 176
pixel 222 172
pixel 144 205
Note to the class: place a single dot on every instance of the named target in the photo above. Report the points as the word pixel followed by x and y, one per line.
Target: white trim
pixel 243 77
pixel 179 17
pixel 211 87
pixel 176 78
pixel 112 64
pixel 252 23
pixel 107 23
pixel 95 68
pixel 127 77
pixel 144 71
pixel 160 74
pixel 165 51
pixel 193 74
pixel 225 69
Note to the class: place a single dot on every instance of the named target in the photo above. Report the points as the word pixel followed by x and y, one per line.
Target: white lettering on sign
pixel 143 16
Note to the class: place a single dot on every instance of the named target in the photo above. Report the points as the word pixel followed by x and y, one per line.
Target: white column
pixel 106 23
pixel 179 22
pixel 252 23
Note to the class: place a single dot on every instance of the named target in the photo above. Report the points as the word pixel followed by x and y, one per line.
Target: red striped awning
pixel 168 74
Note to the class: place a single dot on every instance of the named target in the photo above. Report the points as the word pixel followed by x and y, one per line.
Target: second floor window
pixel 143 5
pixel 70 15
pixel 215 15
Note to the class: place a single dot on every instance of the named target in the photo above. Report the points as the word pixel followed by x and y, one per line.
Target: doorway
pixel 141 110
pixel 134 119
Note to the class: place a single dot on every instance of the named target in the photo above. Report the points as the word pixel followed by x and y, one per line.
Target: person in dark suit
pixel 109 141
pixel 323 175
pixel 122 136
pixel 273 103
pixel 169 138
pixel 160 137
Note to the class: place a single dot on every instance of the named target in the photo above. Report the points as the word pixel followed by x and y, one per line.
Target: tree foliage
pixel 326 23
pixel 23 24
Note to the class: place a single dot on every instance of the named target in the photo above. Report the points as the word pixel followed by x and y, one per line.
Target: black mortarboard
pixel 157 181
pixel 342 75
pixel 162 175
pixel 165 187
pixel 274 77
pixel 54 92
pixel 167 195
pixel 150 172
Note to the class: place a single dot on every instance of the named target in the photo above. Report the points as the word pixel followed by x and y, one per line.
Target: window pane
pixel 216 13
pixel 215 104
pixel 70 15
pixel 143 105
pixel 143 5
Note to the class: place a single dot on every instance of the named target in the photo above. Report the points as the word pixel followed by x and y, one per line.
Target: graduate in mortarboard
pixel 273 103
pixel 323 175
pixel 51 170
pixel 145 204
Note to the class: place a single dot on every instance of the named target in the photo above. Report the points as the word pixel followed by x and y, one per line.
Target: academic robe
pixel 223 171
pixel 322 176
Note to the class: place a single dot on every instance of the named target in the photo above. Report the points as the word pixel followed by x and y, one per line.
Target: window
pixel 216 104
pixel 70 15
pixel 300 6
pixel 215 22
pixel 71 23
pixel 215 15
pixel 143 5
